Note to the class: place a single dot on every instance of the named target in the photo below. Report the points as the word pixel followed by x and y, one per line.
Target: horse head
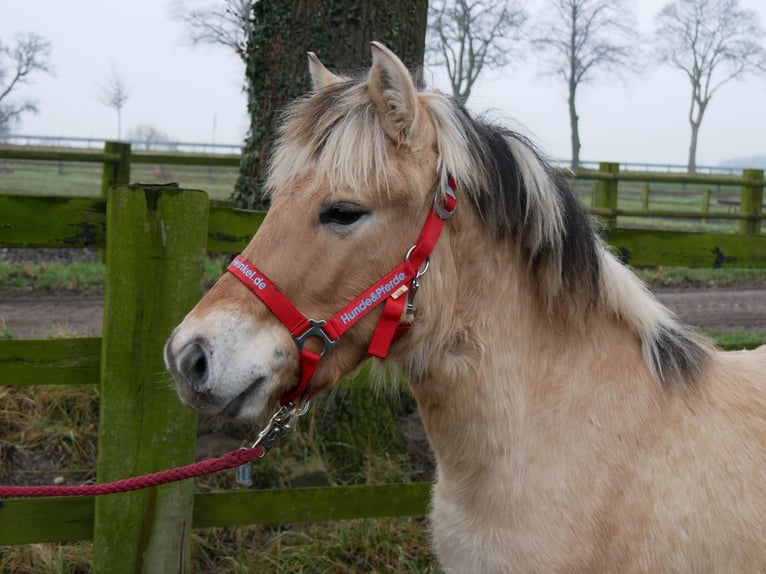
pixel 353 175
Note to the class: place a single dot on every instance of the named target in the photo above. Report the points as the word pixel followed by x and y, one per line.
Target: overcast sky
pixel 194 94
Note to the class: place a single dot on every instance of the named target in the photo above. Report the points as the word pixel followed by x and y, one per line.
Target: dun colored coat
pixel 577 426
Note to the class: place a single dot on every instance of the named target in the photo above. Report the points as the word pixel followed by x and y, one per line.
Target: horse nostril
pixel 195 366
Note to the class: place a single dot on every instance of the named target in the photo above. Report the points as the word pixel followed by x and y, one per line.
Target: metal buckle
pixel 316 330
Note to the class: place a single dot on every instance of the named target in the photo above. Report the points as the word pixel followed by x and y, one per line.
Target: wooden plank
pixel 230 230
pixel 217 160
pixel 27 521
pixel 50 361
pixel 51 221
pixel 58 519
pixel 311 504
pixel 656 177
pixel 155 254
pixel 57 155
pixel 646 247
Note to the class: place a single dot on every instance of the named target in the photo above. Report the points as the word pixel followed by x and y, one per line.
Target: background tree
pixel 147 136
pixel 27 55
pixel 339 31
pixel 114 93
pixel 712 42
pixel 225 23
pixel 467 36
pixel 578 39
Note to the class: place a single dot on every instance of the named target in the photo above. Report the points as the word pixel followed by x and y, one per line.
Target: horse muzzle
pixel 219 371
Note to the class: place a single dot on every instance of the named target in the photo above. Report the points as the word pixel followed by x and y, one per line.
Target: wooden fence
pixel 156 239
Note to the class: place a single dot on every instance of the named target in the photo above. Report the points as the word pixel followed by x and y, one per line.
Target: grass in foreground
pixel 48 433
pixel 75 276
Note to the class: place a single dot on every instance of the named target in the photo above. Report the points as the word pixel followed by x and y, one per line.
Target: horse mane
pixel 523 201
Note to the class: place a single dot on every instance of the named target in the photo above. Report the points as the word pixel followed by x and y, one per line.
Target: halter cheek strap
pixel 390 291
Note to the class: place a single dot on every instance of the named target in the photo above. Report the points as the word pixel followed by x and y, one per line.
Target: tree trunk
pixel 692 164
pixel 574 123
pixel 339 31
pixel 700 105
pixel 352 427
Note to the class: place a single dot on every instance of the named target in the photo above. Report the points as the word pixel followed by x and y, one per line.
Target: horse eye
pixel 341 214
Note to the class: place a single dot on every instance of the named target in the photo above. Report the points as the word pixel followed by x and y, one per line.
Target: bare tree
pixel 28 54
pixel 223 22
pixel 712 42
pixel 114 93
pixel 468 36
pixel 147 136
pixel 578 39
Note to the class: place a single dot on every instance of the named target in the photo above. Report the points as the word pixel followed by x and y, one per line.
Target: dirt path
pixel 719 309
pixel 45 314
pixel 42 314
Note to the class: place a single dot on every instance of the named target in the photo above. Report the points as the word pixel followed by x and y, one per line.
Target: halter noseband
pixel 390 289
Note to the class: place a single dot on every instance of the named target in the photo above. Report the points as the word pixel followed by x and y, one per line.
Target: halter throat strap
pixel 391 291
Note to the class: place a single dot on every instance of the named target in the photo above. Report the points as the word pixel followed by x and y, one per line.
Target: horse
pixel 576 424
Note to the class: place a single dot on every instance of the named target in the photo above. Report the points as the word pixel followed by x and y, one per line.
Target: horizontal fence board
pixel 51 221
pixel 59 519
pixel 648 247
pixel 185 159
pixel 50 361
pixel 58 155
pixel 660 214
pixel 74 222
pixel 310 504
pixel 230 230
pixel 659 177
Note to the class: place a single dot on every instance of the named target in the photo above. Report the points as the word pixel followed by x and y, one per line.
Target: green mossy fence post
pixel 155 244
pixel 645 197
pixel 115 172
pixel 606 192
pixel 705 203
pixel 751 202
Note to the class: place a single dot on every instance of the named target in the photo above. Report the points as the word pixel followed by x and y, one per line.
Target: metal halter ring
pixel 423 268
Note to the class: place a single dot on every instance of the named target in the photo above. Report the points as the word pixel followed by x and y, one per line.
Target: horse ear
pixel 321 77
pixel 393 92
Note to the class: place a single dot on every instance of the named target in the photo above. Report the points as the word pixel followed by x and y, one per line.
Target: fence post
pixel 606 192
pixel 115 173
pixel 751 202
pixel 155 244
pixel 705 203
pixel 645 197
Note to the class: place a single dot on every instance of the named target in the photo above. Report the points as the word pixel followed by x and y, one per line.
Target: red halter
pixel 390 289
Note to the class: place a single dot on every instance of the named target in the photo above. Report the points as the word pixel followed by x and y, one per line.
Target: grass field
pixel 83 179
pixel 722 199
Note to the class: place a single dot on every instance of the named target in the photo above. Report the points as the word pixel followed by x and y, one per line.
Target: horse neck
pixel 492 362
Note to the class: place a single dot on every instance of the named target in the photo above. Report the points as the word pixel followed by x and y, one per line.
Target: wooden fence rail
pixel 156 239
pixel 117 158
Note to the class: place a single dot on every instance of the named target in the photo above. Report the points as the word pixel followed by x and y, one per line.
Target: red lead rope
pixel 390 289
pixel 229 460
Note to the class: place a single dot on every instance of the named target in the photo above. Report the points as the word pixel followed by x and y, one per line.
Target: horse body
pixel 558 451
pixel 577 427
